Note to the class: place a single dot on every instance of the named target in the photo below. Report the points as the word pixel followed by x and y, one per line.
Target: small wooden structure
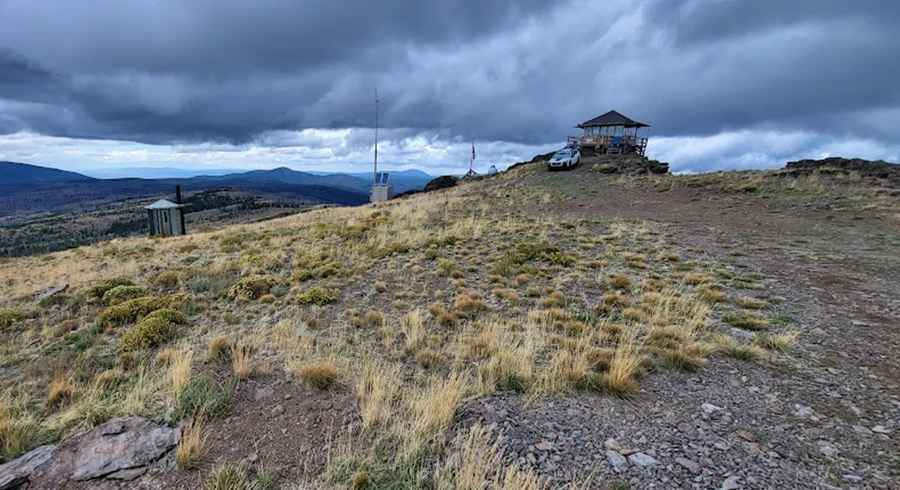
pixel 611 133
pixel 381 188
pixel 167 217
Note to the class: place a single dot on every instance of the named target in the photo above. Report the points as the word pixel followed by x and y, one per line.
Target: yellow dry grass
pixel 180 370
pixel 192 446
pixel 242 364
pixel 377 390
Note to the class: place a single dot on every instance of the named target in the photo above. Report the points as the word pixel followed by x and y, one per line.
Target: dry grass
pixel 432 409
pixel 509 295
pixel 321 374
pixel 624 365
pixel 373 318
pixel 620 281
pixel 19 429
pixel 732 348
pixel 781 342
pixel 750 303
pixel 219 348
pixel 746 320
pixel 477 464
pixel 180 371
pixel 711 293
pixel 377 390
pixel 242 364
pixel 61 390
pixel 314 266
pixel 413 326
pixel 192 445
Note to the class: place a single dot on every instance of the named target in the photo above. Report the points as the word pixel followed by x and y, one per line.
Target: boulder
pixel 18 471
pixel 121 444
pixel 630 164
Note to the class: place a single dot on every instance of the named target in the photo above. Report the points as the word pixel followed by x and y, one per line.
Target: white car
pixel 565 158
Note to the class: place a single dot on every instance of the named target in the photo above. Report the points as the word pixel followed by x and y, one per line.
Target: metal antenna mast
pixel 375 174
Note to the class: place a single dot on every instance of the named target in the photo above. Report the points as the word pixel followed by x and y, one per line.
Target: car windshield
pixel 562 154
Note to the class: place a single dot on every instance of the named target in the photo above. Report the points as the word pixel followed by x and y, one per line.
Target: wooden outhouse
pixel 167 217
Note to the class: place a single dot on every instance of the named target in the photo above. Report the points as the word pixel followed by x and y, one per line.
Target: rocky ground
pixel 826 414
pixel 828 417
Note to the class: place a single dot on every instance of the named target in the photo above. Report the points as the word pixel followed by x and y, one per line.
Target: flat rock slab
pixel 121 444
pixel 17 471
pixel 119 450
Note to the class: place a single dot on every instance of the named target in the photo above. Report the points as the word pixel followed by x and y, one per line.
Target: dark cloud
pixel 164 71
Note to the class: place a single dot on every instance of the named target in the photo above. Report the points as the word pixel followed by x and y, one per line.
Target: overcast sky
pixel 264 83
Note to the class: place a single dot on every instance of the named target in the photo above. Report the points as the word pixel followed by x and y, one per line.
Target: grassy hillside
pixel 401 313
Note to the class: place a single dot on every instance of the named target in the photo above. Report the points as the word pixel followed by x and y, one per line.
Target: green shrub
pixel 166 280
pixel 252 287
pixel 446 267
pixel 229 476
pixel 137 308
pixel 202 396
pixel 119 294
pixel 58 299
pixel 318 296
pixel 100 289
pixel 9 317
pixel 155 329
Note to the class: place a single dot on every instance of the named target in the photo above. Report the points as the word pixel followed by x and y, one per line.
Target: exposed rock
pixel 802 410
pixel 827 448
pixel 709 408
pixel 17 471
pixel 121 444
pixel 616 460
pixel 642 459
pixel 48 293
pixel 688 464
pixel 127 475
pixel 733 482
pixel 625 164
pixel 876 168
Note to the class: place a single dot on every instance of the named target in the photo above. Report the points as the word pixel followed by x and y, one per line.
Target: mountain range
pixel 27 188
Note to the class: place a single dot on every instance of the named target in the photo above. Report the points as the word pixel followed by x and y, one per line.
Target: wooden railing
pixel 618 142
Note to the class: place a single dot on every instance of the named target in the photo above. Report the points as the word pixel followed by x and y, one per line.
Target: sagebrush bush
pixel 137 308
pixel 166 280
pixel 318 296
pixel 9 317
pixel 155 329
pixel 101 288
pixel 251 287
pixel 119 294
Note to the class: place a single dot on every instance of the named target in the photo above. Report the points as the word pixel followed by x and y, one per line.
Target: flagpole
pixel 375 171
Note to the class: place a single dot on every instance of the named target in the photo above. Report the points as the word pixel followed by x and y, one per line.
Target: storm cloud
pixel 766 79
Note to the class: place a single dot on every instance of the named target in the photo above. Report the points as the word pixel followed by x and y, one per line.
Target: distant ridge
pixel 24 173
